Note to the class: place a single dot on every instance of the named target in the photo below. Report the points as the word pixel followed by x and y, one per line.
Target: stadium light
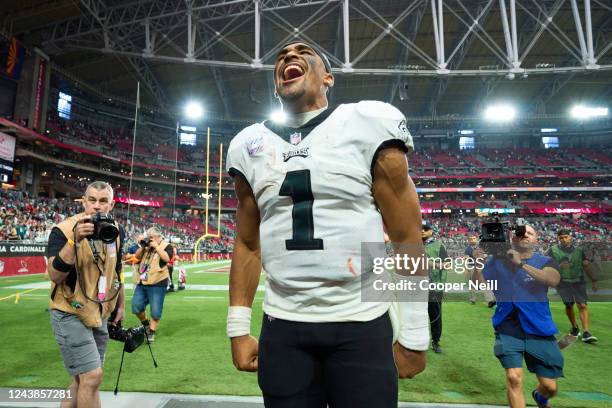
pixel 466 132
pixel 278 116
pixel 500 113
pixel 549 130
pixel 588 112
pixel 193 110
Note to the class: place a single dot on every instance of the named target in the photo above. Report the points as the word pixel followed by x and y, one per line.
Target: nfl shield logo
pixel 295 138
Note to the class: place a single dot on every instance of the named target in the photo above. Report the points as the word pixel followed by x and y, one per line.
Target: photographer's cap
pixel 426 226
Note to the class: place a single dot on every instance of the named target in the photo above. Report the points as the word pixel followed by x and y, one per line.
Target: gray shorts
pixel 82 347
pixel 571 292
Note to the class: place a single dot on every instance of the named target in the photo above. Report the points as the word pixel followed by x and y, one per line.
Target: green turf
pixel 194 355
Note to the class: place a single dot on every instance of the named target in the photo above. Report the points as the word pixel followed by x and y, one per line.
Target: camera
pixel 133 337
pixel 104 228
pixel 495 237
pixel 145 242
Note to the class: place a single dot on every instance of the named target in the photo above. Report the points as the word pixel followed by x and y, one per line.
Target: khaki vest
pixel 149 263
pixel 64 299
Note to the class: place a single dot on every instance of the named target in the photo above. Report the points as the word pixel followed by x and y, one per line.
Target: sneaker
pixel 436 347
pixel 472 302
pixel 575 332
pixel 536 396
pixel 491 304
pixel 170 289
pixel 150 335
pixel 587 337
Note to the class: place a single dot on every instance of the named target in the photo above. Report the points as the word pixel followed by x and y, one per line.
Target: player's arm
pixel 396 197
pixel 61 263
pixel 244 278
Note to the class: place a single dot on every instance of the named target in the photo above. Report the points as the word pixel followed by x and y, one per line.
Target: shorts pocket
pixel 498 347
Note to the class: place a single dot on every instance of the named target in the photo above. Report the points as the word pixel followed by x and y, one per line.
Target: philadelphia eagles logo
pixel 303 152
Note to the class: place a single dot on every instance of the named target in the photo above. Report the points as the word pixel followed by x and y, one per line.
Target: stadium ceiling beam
pixel 160 32
pixel 552 88
pixel 335 40
pixel 209 53
pixel 461 49
pixel 411 26
pixel 515 42
pixel 140 65
pixel 130 14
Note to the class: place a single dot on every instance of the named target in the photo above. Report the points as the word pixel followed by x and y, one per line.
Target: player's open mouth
pixel 291 73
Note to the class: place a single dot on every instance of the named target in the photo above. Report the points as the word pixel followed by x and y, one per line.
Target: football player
pixel 310 191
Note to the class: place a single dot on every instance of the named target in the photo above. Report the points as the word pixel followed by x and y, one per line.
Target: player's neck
pixel 301 106
pixel 299 119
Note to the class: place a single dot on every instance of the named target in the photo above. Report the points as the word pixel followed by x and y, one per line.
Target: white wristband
pixel 238 321
pixel 414 325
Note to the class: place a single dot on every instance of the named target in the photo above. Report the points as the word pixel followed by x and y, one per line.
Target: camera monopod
pixel 139 337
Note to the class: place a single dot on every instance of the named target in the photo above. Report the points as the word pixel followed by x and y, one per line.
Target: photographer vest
pixel 89 270
pixel 150 264
pixel 432 250
pixel 572 272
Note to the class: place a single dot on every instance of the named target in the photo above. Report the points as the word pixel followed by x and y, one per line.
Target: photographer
pixel 84 265
pixel 153 257
pixel 573 265
pixel 436 251
pixel 472 252
pixel 523 324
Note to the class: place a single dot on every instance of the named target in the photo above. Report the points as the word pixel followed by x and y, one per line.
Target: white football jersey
pixel 313 187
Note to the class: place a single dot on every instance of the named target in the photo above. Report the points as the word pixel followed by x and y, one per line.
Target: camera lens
pixel 108 233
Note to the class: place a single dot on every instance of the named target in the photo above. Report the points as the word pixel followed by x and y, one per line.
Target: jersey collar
pixel 285 132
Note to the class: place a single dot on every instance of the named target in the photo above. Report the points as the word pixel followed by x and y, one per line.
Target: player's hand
pixel 244 353
pixel 120 315
pixel 514 257
pixel 408 362
pixel 84 229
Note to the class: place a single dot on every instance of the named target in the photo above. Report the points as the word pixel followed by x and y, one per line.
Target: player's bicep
pixel 396 197
pixel 247 215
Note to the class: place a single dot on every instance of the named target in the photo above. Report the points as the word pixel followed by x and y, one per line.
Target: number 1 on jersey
pixel 297 186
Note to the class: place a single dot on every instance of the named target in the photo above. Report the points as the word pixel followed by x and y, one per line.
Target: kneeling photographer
pixel 153 257
pixel 523 324
pixel 84 265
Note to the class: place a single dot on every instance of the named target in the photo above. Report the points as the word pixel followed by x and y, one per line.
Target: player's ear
pixel 328 80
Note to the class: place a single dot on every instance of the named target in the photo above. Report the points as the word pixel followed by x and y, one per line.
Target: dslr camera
pixel 495 236
pixel 132 337
pixel 145 242
pixel 104 228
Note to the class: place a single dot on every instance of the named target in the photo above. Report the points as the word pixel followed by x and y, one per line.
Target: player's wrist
pixel 238 321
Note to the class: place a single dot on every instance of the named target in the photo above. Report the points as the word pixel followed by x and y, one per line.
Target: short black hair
pixel 564 231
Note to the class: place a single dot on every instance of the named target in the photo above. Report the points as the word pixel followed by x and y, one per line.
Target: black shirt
pixel 57 240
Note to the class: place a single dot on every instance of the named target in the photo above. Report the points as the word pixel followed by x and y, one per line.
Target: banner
pixel 39 94
pixel 7 157
pixel 22 259
pixel 12 54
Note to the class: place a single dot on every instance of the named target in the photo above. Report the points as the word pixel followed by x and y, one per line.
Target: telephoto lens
pixel 104 228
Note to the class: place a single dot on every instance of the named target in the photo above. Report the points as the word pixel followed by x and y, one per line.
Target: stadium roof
pixel 539 59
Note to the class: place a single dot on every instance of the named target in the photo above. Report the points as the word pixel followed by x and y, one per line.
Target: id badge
pixel 144 276
pixel 102 288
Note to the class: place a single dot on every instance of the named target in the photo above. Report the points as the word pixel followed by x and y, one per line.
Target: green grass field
pixel 194 356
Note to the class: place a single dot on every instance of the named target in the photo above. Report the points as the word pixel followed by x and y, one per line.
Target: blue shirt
pixel 519 295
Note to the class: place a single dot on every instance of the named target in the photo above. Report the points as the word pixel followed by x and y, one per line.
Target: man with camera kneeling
pixel 523 324
pixel 153 257
pixel 84 265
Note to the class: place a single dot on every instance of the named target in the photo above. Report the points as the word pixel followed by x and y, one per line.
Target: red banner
pixel 22 259
pixel 22 265
pixel 41 81
pixel 133 201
